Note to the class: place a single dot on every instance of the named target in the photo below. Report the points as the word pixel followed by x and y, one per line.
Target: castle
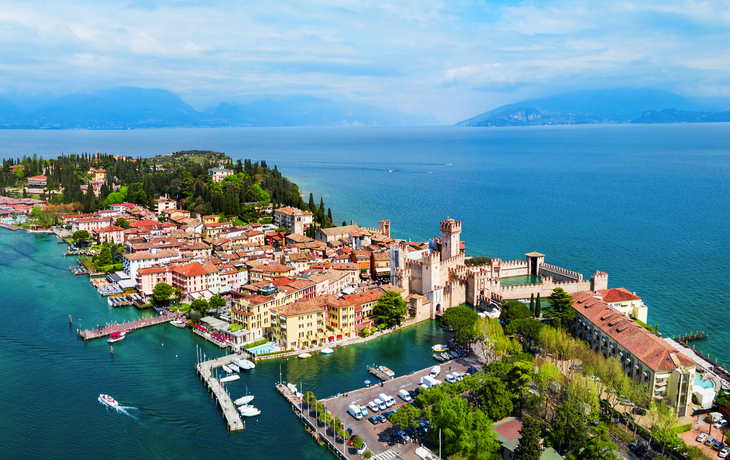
pixel 439 273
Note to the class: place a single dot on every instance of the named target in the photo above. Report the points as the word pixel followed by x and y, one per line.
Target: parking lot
pixel 378 437
pixel 690 438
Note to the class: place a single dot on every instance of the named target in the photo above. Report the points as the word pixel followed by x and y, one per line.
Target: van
pixel 355 411
pixel 428 381
pixel 381 405
pixel 403 394
pixel 387 400
pixel 364 411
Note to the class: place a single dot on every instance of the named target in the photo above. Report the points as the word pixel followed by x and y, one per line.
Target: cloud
pixel 448 58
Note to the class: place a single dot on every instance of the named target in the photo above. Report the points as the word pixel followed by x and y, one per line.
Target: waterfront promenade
pixel 103 331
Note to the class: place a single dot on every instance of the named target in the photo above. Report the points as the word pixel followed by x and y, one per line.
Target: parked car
pixel 409 431
pixel 709 441
pixel 720 424
pixel 471 370
pixel 450 378
pixel 413 394
pixel 364 411
pixel 363 448
pixel 723 453
pixel 576 367
pixel 718 445
pixel 381 418
pixel 421 431
pixel 397 438
pixel 374 419
pixel 404 435
pixel 701 437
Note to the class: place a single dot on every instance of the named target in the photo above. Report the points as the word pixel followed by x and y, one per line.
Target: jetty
pixel 10 227
pixel 686 338
pixel 103 331
pixel 379 374
pixel 230 413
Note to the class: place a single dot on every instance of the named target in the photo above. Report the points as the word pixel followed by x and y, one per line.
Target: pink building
pixel 110 234
pixel 190 278
pixel 148 278
pixel 90 224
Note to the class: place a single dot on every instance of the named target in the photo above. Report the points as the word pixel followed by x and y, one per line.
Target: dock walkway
pixel 230 413
pixel 104 331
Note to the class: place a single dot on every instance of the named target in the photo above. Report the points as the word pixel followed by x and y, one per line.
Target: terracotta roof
pixel 149 255
pixel 304 307
pixel 191 269
pixel 618 295
pixel 644 345
pixel 111 228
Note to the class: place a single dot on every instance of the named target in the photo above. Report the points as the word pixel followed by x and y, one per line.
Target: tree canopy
pixel 390 309
pixel 462 320
pixel 513 310
pixel 560 310
pixel 161 293
pixel 529 446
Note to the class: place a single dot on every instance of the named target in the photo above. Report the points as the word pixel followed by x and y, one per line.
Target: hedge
pixel 276 352
pixel 256 344
pixel 683 428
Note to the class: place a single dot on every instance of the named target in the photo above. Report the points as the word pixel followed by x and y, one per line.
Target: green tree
pixel 390 308
pixel 217 302
pixel 662 421
pixel 561 308
pixel 195 316
pixel 529 447
pixel 494 398
pixel 105 256
pixel 357 442
pixel 462 320
pixel 122 222
pixel 161 293
pixel 532 303
pixel 200 305
pixel 538 306
pixel 308 398
pixel 528 329
pixel 43 218
pixel 599 447
pixel 513 310
pixel 81 236
pixel 407 416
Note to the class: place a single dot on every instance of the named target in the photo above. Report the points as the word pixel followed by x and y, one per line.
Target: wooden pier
pixel 379 374
pixel 10 227
pixel 230 413
pixel 684 339
pixel 105 330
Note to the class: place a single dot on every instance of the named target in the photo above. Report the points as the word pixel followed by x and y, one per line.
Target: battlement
pixel 561 271
pixel 450 226
pixel 513 263
pixel 456 260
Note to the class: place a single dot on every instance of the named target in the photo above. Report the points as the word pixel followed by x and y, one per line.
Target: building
pixel 110 234
pixel 380 265
pixel 190 278
pixel 163 204
pixel 300 324
pixel 133 262
pixel 508 436
pixel 645 357
pixel 626 302
pixel 91 224
pixel 148 278
pixel 334 234
pixel 270 272
pixel 293 219
pixel 219 173
pixel 37 182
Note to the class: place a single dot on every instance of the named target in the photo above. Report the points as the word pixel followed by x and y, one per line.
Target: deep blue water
pixel 649 205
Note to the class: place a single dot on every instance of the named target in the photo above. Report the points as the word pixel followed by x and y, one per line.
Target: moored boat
pixel 116 336
pixel 304 356
pixel 244 363
pixel 248 411
pixel 178 323
pixel 243 400
pixel 230 378
pixel 327 351
pixel 437 357
pixel 386 371
pixel 227 369
pixel 234 368
pixel 438 348
pixel 108 400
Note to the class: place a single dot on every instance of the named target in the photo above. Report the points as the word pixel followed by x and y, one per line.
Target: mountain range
pixel 606 106
pixel 131 108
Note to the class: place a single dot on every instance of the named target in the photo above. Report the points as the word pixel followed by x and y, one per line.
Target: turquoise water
pixel 265 348
pixel 523 279
pixel 649 205
pixel 51 379
pixel 703 383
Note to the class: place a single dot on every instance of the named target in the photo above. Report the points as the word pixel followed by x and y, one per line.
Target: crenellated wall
pixel 559 274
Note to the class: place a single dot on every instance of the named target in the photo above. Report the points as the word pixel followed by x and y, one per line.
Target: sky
pixel 452 59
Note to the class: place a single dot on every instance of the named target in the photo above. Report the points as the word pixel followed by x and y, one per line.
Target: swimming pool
pixel 703 383
pixel 265 348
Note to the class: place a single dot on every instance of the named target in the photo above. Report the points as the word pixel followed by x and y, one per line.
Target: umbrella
pixel 367 382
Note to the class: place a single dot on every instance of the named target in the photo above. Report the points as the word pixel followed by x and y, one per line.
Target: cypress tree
pixel 329 214
pixel 532 304
pixel 538 306
pixel 311 205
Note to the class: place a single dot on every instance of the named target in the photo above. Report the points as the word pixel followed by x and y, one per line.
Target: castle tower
pixel 534 260
pixel 450 238
pixel 385 227
pixel 599 281
pixel 431 271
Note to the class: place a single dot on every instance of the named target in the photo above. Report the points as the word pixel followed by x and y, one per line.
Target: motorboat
pixel 230 378
pixel 234 368
pixel 108 400
pixel 227 369
pixel 243 400
pixel 304 356
pixel 292 387
pixel 244 363
pixel 248 411
pixel 438 348
pixel 178 323
pixel 116 336
pixel 327 351
pixel 386 371
pixel 437 357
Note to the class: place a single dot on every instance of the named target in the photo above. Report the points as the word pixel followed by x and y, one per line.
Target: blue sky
pixel 453 59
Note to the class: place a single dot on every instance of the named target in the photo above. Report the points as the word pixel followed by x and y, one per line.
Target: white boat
pixel 248 411
pixel 304 356
pixel 386 371
pixel 327 351
pixel 178 323
pixel 243 400
pixel 234 368
pixel 230 378
pixel 116 336
pixel 108 400
pixel 244 363
pixel 292 387
pixel 227 369
pixel 439 348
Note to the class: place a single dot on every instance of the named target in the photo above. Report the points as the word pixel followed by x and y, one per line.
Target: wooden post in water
pixel 112 350
pixel 70 321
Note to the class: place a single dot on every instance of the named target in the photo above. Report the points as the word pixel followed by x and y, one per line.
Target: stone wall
pixel 558 273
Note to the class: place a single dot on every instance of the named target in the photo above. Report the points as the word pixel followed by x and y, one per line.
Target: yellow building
pixel 301 324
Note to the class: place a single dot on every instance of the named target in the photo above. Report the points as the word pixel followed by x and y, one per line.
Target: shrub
pixel 367 454
pixel 364 332
pixel 254 344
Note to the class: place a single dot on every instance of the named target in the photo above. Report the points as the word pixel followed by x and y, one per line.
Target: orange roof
pixel 618 295
pixel 191 269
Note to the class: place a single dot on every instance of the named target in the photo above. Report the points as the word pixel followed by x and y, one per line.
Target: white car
pixel 373 407
pixel 381 404
pixel 723 453
pixel 720 424
pixel 450 378
pixel 701 437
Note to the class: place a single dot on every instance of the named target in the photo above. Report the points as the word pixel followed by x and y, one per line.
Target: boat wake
pixel 120 409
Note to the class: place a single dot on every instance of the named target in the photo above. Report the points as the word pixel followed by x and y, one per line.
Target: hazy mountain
pixel 153 108
pixel 580 107
pixel 310 111
pixel 681 116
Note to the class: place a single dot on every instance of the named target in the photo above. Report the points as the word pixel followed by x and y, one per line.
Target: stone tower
pixel 298 224
pixel 450 238
pixel 430 271
pixel 385 227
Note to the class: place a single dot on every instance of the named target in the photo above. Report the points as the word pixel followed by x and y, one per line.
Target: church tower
pixel 450 239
